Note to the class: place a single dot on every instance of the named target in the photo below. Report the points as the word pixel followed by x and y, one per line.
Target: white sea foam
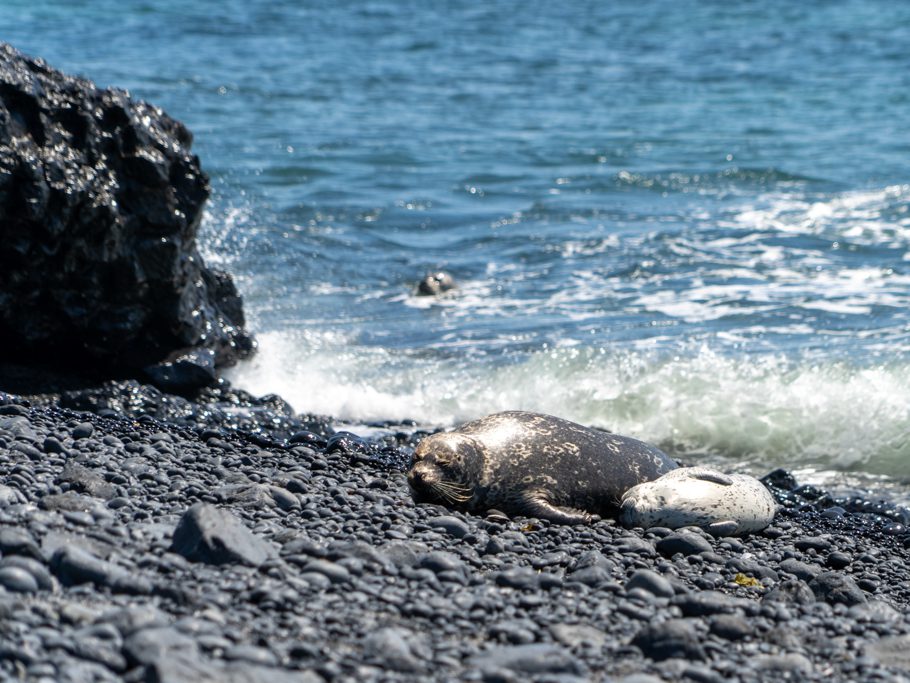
pixel 757 412
pixel 869 217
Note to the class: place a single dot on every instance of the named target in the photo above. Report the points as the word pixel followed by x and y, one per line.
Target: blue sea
pixel 683 221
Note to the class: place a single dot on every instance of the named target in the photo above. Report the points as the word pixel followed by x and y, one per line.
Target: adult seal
pixel 532 464
pixel 721 504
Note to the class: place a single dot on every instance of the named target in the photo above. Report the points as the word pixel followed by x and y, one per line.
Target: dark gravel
pixel 210 547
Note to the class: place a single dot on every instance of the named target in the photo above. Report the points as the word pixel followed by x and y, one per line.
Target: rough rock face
pixel 100 202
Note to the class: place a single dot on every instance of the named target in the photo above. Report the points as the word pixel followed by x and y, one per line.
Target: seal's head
pixel 446 469
pixel 435 283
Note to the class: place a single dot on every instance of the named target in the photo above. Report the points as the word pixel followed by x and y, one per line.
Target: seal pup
pixel 435 283
pixel 721 504
pixel 532 464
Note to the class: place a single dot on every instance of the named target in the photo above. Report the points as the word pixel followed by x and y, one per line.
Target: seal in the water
pixel 721 504
pixel 435 283
pixel 532 464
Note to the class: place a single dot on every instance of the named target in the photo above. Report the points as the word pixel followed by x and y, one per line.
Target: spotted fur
pixel 533 464
pixel 722 504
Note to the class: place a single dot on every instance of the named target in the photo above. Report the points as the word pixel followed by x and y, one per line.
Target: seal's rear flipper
pixel 536 505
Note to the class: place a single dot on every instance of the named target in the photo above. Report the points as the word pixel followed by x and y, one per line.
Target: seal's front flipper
pixel 713 477
pixel 536 505
pixel 725 528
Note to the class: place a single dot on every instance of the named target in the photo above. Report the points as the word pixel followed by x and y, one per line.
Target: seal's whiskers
pixel 455 493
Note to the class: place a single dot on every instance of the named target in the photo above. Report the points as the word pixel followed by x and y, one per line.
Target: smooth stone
pixel 818 543
pixel 397 649
pixel 18 541
pixel 704 603
pixel 800 570
pixel 532 659
pixel 652 582
pixel 669 639
pixel 579 635
pixel 682 542
pixel 451 525
pixel 332 571
pixel 73 566
pixel 38 571
pixel 17 580
pixel 440 561
pixel 252 654
pixel 83 430
pixel 730 627
pixel 149 645
pixel 790 664
pixel 522 578
pixel 10 496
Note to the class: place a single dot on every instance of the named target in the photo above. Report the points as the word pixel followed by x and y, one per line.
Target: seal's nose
pixel 415 477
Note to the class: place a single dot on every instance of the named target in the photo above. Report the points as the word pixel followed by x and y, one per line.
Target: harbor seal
pixel 435 283
pixel 532 464
pixel 721 504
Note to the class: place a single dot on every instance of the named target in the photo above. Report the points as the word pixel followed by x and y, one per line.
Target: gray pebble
pixel 17 580
pixel 789 664
pixel 37 570
pixel 523 578
pixel 332 571
pixel 682 542
pixel 252 654
pixel 397 649
pixel 652 582
pixel 149 645
pixel 83 430
pixel 704 603
pixel 18 541
pixel 669 639
pixel 800 570
pixel 836 587
pixel 532 659
pixel 451 525
pixel 731 627
pixel 791 591
pixel 579 635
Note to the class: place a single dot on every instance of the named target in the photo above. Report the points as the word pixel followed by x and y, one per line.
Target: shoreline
pixel 311 562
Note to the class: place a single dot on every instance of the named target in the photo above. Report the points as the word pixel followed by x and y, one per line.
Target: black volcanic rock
pixel 100 202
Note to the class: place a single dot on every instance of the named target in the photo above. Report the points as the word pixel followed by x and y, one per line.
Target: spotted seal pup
pixel 532 464
pixel 721 504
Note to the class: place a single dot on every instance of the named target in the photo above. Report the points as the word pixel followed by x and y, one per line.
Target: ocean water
pixel 684 221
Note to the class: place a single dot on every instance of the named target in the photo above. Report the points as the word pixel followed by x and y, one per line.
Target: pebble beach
pixel 141 549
